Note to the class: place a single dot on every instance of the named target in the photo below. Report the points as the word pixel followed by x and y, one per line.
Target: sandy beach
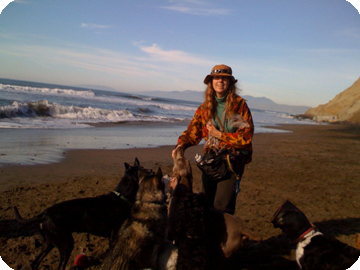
pixel 317 167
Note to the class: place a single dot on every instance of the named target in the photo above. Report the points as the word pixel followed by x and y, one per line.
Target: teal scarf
pixel 220 110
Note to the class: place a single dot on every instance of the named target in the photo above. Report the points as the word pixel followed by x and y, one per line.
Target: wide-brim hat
pixel 220 70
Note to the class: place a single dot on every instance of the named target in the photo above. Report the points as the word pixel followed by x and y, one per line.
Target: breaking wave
pixel 47 91
pixel 44 108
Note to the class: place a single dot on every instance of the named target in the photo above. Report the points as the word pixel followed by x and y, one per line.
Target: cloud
pixel 157 54
pixel 21 2
pixel 158 63
pixel 198 11
pixel 79 56
pixel 94 26
pixel 172 67
pixel 195 7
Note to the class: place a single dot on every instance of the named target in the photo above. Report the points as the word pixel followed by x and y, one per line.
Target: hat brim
pixel 209 77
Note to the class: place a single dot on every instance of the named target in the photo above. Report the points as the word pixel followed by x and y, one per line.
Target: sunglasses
pixel 217 71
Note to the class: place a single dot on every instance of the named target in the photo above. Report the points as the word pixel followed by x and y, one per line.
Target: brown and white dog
pixel 140 237
pixel 314 250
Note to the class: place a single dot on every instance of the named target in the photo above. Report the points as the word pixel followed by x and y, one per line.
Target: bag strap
pixel 238 178
pixel 220 123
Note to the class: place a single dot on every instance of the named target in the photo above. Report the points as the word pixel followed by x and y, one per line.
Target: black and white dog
pixel 314 250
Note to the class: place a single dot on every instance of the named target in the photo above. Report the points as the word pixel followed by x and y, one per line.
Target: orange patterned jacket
pixel 241 139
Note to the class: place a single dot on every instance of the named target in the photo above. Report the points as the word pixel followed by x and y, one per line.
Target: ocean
pixel 38 121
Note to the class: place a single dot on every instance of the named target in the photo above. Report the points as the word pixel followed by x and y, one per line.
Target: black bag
pixel 215 165
pixel 219 165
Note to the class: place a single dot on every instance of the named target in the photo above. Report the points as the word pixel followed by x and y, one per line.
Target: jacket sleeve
pixel 241 138
pixel 194 132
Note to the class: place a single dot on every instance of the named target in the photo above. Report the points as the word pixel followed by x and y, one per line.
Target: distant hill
pixel 344 107
pixel 261 103
pixel 267 104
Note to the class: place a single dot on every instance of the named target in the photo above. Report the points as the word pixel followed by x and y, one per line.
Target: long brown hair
pixel 210 102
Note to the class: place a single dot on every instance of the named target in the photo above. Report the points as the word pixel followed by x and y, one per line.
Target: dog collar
pixel 309 232
pixel 122 197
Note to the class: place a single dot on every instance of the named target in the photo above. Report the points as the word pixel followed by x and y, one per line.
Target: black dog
pixel 314 251
pixel 101 216
pixel 194 228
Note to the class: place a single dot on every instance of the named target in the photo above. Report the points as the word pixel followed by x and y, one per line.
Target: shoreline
pixel 103 160
pixel 44 146
pixel 316 167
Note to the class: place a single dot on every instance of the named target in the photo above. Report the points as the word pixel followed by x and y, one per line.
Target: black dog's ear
pixel 159 173
pixel 136 162
pixel 127 166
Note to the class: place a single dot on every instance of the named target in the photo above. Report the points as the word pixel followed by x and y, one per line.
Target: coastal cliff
pixel 344 107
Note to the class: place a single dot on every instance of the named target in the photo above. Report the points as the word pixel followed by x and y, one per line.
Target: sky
pixel 298 52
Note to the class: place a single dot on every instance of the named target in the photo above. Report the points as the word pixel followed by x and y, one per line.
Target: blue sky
pixel 298 52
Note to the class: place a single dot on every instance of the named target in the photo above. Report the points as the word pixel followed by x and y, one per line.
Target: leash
pixel 237 183
pixel 122 197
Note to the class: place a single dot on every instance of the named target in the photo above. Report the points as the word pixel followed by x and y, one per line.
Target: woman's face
pixel 221 85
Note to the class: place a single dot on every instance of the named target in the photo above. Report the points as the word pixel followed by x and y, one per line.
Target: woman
pixel 224 121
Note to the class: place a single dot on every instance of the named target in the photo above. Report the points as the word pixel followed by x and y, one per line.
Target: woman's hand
pixel 213 131
pixel 174 151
